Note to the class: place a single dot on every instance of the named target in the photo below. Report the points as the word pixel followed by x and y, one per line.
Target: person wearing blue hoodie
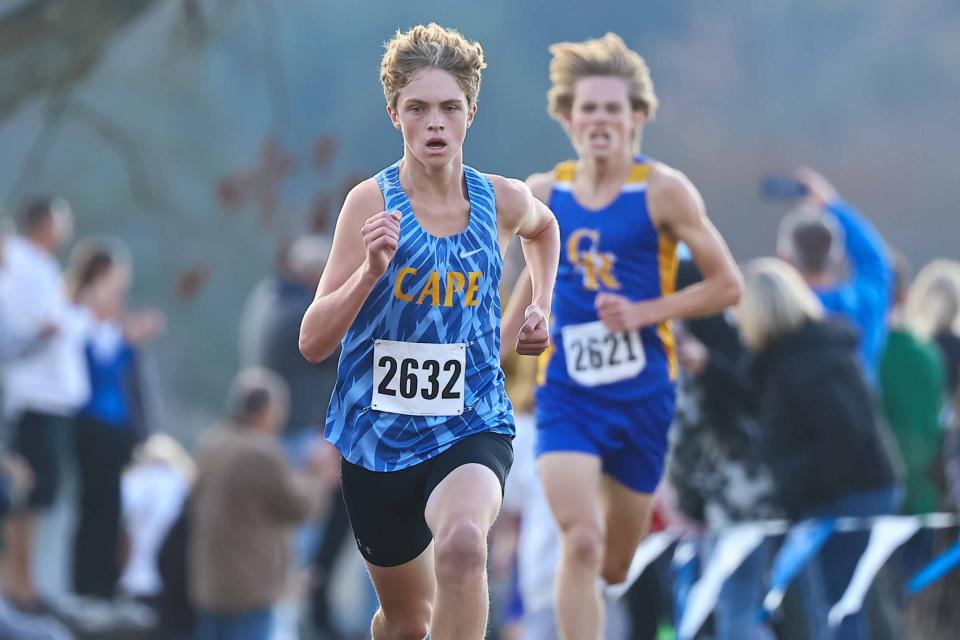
pixel 844 259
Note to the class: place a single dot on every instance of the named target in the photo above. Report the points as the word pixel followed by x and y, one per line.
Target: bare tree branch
pixel 137 174
pixel 36 156
pixel 273 65
pixel 52 44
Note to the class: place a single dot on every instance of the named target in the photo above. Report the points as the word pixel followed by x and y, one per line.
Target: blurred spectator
pixel 245 504
pixel 16 480
pixel 108 428
pixel 176 614
pixel 310 384
pixel 44 389
pixel 310 388
pixel 334 529
pixel 820 431
pixel 255 315
pixel 912 388
pixel 716 467
pixel 154 491
pixel 13 343
pixel 844 260
pixel 951 455
pixel 933 313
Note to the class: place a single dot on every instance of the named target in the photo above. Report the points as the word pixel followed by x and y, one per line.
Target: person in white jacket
pixel 44 386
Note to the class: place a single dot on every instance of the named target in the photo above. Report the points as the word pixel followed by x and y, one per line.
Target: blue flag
pixel 803 542
pixel 938 567
pixel 685 567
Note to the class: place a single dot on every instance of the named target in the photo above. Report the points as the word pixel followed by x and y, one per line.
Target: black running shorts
pixel 387 508
pixel 42 439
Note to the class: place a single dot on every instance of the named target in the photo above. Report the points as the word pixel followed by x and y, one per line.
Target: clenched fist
pixel 381 237
pixel 534 334
pixel 619 314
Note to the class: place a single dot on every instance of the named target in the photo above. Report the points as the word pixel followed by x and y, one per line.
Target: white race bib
pixel 595 356
pixel 418 378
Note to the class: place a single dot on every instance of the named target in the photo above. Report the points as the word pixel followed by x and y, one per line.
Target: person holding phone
pixel 844 259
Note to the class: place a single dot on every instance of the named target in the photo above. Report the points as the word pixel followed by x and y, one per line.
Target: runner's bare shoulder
pixel 541 184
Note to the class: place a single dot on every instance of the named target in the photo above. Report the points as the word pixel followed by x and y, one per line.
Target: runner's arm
pixel 364 242
pixel 678 209
pixel 522 294
pixel 513 319
pixel 539 234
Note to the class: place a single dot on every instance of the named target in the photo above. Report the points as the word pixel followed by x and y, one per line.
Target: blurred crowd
pixel 166 543
pixel 829 391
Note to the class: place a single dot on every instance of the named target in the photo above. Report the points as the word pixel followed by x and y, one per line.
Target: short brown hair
pixel 810 240
pixel 36 212
pixel 255 390
pixel 92 259
pixel 431 46
pixel 606 56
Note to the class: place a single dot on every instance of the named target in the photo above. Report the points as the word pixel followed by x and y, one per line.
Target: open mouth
pixel 436 145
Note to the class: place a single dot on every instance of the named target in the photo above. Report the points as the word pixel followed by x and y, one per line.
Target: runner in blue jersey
pixel 419 412
pixel 607 382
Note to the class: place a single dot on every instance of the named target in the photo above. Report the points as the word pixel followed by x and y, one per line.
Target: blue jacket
pixel 864 298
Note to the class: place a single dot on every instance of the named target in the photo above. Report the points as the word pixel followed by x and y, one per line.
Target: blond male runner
pixel 606 397
pixel 419 412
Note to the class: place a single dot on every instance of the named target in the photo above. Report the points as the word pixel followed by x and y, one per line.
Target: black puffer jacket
pixel 820 434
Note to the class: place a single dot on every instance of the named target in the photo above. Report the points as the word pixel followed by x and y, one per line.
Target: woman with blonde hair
pixel 777 301
pixel 819 429
pixel 933 313
pixel 154 489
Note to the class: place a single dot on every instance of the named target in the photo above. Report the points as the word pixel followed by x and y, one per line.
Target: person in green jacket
pixel 912 389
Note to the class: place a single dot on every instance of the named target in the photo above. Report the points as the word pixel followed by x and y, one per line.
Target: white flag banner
pixel 889 532
pixel 733 546
pixel 649 550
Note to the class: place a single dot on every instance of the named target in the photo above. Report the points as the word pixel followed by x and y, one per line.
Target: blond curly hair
pixel 426 46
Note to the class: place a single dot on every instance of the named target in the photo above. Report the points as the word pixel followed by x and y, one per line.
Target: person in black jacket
pixel 716 466
pixel 819 427
pixel 820 430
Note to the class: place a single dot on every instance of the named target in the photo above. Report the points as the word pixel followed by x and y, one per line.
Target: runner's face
pixel 602 123
pixel 433 116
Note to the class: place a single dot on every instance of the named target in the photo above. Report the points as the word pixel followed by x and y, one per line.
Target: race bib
pixel 595 356
pixel 417 378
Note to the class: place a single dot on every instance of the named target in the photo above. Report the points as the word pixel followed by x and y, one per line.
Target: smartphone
pixel 781 188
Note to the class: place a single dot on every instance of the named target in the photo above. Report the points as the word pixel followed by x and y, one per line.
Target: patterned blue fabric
pixel 436 290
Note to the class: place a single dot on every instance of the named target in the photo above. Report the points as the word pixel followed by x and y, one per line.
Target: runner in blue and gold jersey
pixel 411 289
pixel 607 382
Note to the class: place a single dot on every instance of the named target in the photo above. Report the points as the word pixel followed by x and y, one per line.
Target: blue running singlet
pixel 420 365
pixel 616 249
